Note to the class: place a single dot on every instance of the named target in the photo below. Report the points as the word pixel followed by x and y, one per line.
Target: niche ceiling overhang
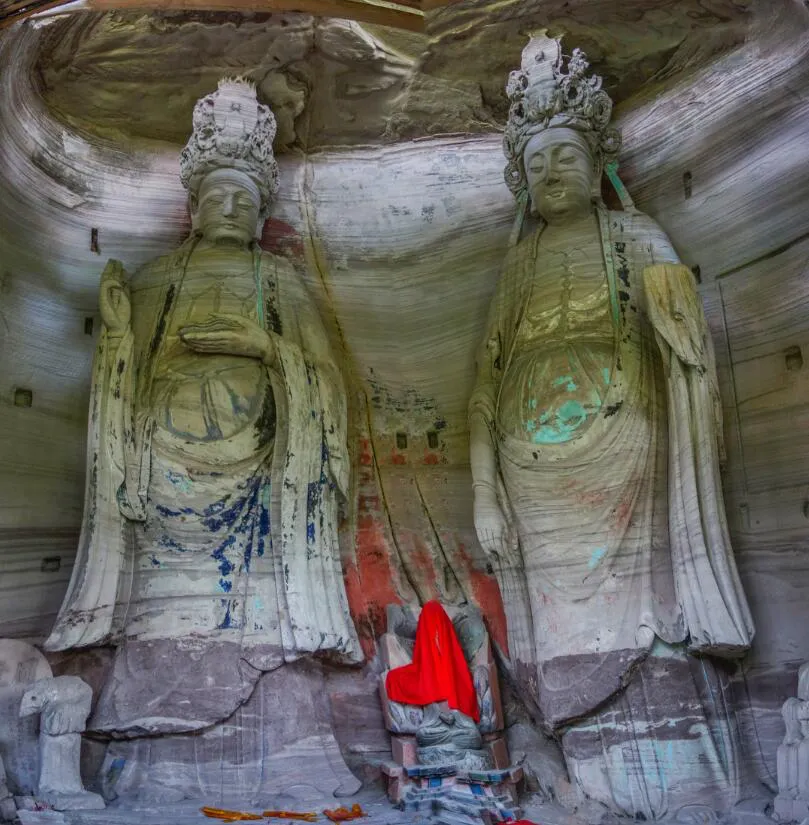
pixel 136 73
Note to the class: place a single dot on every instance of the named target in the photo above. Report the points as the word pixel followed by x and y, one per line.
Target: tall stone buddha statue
pixel 595 444
pixel 216 458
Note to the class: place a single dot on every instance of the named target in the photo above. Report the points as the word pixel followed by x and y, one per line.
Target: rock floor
pixel 380 812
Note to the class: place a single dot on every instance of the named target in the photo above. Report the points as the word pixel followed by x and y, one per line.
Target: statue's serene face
pixel 226 207
pixel 561 173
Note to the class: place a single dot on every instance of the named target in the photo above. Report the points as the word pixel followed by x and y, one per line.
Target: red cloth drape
pixel 439 671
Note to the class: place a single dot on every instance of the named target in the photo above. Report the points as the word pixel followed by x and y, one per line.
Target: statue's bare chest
pixel 200 396
pixel 569 295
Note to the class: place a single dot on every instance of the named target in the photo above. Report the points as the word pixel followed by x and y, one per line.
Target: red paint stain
pixel 371 578
pixel 366 454
pixel 588 497
pixel 431 458
pixel 623 514
pixel 486 593
pixel 398 458
pixel 280 238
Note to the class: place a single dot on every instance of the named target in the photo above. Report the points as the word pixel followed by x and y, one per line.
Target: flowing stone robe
pixel 604 413
pixel 209 542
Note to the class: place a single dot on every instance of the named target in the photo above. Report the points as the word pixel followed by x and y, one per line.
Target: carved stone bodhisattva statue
pixel 595 443
pixel 216 458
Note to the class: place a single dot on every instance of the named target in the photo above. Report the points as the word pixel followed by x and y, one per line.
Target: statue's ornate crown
pixel 232 130
pixel 543 95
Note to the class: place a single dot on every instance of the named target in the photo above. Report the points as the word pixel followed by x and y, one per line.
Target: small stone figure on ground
pixel 63 703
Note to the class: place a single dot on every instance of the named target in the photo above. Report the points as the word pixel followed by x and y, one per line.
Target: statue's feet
pixel 72 801
pixel 697 815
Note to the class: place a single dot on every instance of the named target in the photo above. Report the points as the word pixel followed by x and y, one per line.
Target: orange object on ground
pixel 344 815
pixel 439 671
pixel 230 816
pixel 304 816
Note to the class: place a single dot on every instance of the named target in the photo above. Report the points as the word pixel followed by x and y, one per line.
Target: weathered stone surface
pixel 667 741
pixel 360 82
pixel 279 741
pixel 168 685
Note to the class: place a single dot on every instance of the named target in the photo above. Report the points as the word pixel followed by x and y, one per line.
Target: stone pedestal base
pixel 66 801
pixel 454 797
pixel 279 740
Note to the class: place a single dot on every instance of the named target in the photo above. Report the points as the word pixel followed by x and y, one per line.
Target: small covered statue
pixel 596 435
pixel 441 703
pixel 439 675
pixel 217 456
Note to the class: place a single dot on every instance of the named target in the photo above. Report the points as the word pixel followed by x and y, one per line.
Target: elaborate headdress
pixel 232 130
pixel 543 95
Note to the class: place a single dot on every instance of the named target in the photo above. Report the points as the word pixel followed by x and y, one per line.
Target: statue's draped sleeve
pixel 493 356
pixel 706 578
pixel 310 476
pixel 102 566
pixel 494 351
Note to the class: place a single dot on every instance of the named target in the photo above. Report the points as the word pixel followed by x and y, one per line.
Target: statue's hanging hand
pixel 227 334
pixel 495 534
pixel 116 309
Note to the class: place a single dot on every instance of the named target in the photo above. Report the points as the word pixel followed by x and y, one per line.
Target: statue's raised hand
pixel 116 309
pixel 495 534
pixel 227 334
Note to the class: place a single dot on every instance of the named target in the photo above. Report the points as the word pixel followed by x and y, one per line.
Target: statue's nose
pixel 228 207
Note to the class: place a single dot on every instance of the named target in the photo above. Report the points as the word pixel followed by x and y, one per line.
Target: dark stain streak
pixel 612 409
pixel 161 324
pixel 267 420
pixel 273 319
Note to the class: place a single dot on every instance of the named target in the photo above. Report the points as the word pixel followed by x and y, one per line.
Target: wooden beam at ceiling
pixel 405 14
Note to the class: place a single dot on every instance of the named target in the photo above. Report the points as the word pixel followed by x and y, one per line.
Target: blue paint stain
pixel 171 544
pixel 154 560
pixel 569 417
pixel 596 557
pixel 606 374
pixel 167 512
pixel 227 620
pixel 314 492
pixel 178 480
pixel 566 381
pixel 240 526
pixel 239 406
pixel 115 770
